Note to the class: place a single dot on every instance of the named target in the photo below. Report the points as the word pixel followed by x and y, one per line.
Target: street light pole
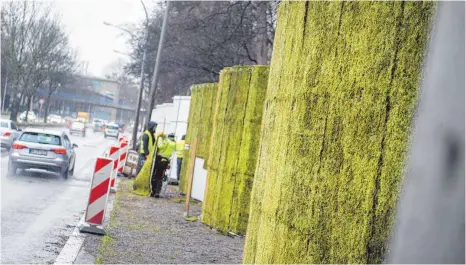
pixel 141 87
pixel 141 84
pixel 143 64
pixel 153 86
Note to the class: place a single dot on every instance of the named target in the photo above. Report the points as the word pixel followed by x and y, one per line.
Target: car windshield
pixel 113 127
pixel 40 138
pixel 4 124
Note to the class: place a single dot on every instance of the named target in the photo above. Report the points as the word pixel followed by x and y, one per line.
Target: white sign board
pixel 132 160
pixel 199 180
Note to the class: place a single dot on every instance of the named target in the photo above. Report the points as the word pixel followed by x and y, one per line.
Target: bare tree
pixel 18 20
pixel 203 38
pixel 35 50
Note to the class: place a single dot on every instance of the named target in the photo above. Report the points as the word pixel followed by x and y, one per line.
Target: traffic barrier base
pixel 91 229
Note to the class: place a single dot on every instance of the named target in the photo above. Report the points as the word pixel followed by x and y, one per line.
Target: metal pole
pixel 177 115
pixel 4 93
pixel 141 84
pixel 153 86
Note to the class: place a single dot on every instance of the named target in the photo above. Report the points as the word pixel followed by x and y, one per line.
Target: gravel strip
pixel 147 230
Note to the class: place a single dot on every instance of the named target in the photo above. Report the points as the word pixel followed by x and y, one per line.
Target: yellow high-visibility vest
pixel 180 148
pixel 165 147
pixel 151 143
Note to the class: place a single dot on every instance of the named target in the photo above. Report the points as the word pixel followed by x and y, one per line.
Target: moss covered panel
pixel 208 94
pixel 343 85
pixel 233 152
pixel 203 98
pixel 190 132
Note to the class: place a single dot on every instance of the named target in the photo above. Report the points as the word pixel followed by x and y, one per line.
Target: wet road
pixel 39 210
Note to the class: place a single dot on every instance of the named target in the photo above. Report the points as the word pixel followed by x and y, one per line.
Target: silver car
pixel 78 127
pixel 43 149
pixel 112 130
pixel 8 133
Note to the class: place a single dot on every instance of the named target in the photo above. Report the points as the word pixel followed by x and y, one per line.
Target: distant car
pixel 78 127
pixel 111 130
pixel 121 127
pixel 43 149
pixel 68 121
pixel 53 118
pixel 8 133
pixel 31 116
pixel 98 127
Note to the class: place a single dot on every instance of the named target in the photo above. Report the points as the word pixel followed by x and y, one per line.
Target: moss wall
pixel 343 85
pixel 233 152
pixel 199 125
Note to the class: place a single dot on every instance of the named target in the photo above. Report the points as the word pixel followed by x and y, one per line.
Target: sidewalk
pixel 147 230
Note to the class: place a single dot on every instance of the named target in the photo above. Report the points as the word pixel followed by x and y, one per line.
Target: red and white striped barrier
pixel 114 154
pixel 100 186
pixel 123 153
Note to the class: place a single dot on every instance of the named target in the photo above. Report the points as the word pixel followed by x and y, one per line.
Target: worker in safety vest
pixel 147 143
pixel 165 148
pixel 179 155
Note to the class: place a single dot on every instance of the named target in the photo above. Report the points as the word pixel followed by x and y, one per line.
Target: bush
pixel 234 145
pixel 343 85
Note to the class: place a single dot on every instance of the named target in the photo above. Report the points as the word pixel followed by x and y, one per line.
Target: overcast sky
pixel 94 41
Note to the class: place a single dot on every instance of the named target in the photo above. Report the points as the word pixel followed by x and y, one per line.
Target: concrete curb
pixel 71 249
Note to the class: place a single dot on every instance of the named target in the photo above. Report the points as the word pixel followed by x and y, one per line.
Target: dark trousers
pixel 142 160
pixel 156 179
pixel 179 161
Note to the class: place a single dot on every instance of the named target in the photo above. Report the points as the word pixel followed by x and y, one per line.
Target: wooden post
pixel 191 173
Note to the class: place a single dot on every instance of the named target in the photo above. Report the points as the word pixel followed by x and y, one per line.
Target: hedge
pixel 199 125
pixel 343 85
pixel 41 124
pixel 233 152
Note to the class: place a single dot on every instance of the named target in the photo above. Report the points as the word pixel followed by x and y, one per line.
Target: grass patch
pixel 105 248
pixel 183 200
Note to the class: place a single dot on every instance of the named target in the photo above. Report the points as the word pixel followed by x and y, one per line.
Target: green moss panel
pixel 343 85
pixel 190 133
pixel 199 125
pixel 209 93
pixel 211 164
pixel 233 152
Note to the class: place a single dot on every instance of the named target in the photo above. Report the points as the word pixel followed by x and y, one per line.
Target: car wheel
pixel 72 170
pixel 12 167
pixel 64 175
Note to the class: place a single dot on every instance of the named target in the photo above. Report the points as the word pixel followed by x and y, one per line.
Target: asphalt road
pixel 39 210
